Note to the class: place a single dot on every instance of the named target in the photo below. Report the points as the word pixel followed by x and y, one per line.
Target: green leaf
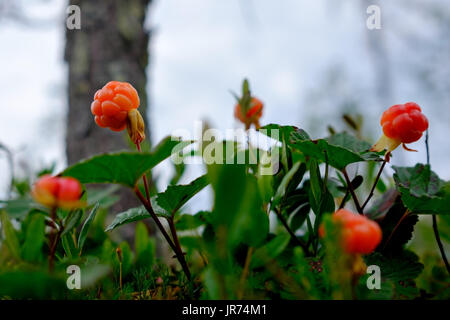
pixel 269 251
pixel 167 203
pixel 422 191
pixel 340 150
pixel 131 215
pixel 238 208
pixel 401 269
pixel 420 180
pixel 37 285
pixel 299 216
pixel 69 246
pixel 19 208
pixel 71 221
pixel 105 196
pixel 34 238
pixel 281 190
pixel 10 235
pixel 144 248
pixel 396 227
pixel 85 228
pixel 189 221
pixel 122 168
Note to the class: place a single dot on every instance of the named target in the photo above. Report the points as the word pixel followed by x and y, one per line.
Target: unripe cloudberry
pixel 58 192
pixel 252 115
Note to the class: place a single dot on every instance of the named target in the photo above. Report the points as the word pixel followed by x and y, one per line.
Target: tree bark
pixel 112 44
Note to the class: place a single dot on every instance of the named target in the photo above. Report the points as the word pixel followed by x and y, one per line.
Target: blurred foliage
pixel 259 240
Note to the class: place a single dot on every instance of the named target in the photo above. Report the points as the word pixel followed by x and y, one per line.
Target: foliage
pixel 259 239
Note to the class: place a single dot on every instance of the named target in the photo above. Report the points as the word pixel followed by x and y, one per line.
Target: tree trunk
pixel 111 45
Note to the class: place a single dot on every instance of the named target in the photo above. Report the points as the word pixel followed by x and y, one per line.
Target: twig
pixel 291 233
pixel 435 227
pixel 179 251
pixel 352 191
pixel 144 177
pixel 149 208
pixel 374 185
pixel 438 240
pixel 244 274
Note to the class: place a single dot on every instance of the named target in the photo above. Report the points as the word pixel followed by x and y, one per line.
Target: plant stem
pixel 149 208
pixel 291 233
pixel 352 191
pixel 52 240
pixel 407 212
pixel 374 185
pixel 179 252
pixel 144 177
pixel 244 274
pixel 435 227
pixel 438 240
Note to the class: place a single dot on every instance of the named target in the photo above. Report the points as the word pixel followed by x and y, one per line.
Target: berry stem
pixel 149 208
pixel 352 191
pixel 291 233
pixel 179 253
pixel 54 238
pixel 374 184
pixel 435 226
pixel 144 177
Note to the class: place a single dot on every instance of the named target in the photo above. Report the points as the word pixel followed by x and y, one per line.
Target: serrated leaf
pixel 420 180
pixel 122 168
pixel 422 191
pixel 339 150
pixel 401 269
pixel 85 228
pixel 171 200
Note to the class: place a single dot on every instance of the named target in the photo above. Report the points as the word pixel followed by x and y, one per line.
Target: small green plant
pixel 279 227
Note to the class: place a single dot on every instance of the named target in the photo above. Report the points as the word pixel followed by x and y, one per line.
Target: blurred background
pixel 309 61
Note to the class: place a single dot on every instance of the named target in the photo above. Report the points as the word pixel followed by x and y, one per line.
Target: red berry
pixel 55 192
pixel 359 234
pixel 112 103
pixel 404 122
pixel 252 115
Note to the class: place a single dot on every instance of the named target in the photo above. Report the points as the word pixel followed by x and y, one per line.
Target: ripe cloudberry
pixel 358 233
pixel 58 192
pixel 252 115
pixel 402 123
pixel 115 107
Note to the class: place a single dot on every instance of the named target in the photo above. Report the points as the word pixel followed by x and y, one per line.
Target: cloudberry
pixel 358 233
pixel 402 123
pixel 115 107
pixel 62 192
pixel 252 115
